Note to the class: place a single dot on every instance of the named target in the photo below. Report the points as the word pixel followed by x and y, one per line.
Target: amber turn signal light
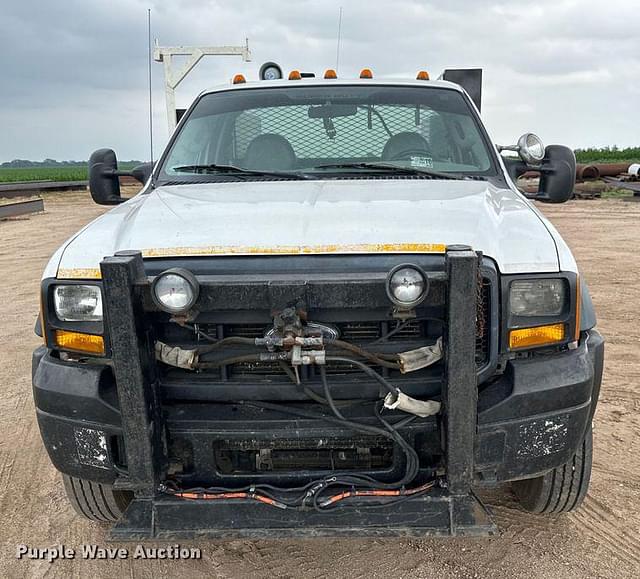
pixel 538 336
pixel 79 342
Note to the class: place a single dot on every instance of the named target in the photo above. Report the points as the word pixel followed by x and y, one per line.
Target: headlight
pixel 78 303
pixel 540 297
pixel 175 290
pixel 407 286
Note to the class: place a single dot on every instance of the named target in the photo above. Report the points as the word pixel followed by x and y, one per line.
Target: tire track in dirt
pixel 610 531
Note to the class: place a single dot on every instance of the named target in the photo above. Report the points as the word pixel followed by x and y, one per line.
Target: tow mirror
pixel 104 176
pixel 556 165
pixel 557 175
pixel 103 179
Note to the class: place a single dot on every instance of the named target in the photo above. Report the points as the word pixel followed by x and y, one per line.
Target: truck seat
pixel 270 152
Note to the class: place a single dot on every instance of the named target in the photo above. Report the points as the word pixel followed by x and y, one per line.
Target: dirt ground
pixel 601 540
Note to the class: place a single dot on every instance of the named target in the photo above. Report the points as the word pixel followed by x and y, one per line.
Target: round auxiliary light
pixel 270 71
pixel 530 148
pixel 175 291
pixel 407 286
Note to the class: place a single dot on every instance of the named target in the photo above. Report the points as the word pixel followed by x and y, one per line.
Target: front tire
pixel 95 501
pixel 562 489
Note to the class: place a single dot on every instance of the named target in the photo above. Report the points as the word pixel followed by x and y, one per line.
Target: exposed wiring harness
pixel 350 485
pixel 324 493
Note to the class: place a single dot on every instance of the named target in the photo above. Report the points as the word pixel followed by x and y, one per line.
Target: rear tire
pixel 561 490
pixel 95 501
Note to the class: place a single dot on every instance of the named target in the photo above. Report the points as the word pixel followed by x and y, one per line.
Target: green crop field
pixel 71 173
pixel 8 175
pixel 608 155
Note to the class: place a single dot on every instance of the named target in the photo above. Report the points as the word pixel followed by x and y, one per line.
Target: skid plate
pixel 437 514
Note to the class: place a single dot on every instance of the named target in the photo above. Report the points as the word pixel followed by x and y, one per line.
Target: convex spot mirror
pixel 104 176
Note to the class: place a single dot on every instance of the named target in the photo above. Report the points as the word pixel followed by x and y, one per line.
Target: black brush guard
pixel 453 510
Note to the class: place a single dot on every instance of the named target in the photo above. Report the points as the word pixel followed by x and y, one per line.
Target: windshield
pixel 321 130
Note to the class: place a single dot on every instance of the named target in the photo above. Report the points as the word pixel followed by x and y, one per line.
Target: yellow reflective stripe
pixel 297 249
pixel 94 273
pixel 80 273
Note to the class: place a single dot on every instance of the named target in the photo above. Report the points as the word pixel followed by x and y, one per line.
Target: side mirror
pixel 104 176
pixel 104 184
pixel 555 163
pixel 557 175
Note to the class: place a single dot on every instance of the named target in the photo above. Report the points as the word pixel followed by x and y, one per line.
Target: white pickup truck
pixel 328 311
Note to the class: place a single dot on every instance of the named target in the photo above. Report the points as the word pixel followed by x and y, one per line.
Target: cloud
pixel 74 73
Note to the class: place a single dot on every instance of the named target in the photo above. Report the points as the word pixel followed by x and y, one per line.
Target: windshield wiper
pixel 392 168
pixel 235 170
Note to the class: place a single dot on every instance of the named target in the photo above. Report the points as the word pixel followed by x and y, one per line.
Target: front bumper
pixel 530 419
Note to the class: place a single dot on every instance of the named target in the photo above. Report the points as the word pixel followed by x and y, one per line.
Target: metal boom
pixel 172 78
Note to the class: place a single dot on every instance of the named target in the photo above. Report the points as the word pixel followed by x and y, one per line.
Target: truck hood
pixel 324 216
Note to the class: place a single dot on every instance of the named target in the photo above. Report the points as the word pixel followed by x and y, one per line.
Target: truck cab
pixel 329 311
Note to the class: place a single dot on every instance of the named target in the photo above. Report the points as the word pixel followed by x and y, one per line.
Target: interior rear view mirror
pixel 330 111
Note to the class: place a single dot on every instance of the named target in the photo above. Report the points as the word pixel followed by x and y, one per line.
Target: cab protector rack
pixel 449 508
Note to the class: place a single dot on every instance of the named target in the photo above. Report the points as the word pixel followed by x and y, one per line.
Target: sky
pixel 73 73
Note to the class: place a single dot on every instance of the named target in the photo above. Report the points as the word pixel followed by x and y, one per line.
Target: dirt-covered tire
pixel 561 490
pixel 95 501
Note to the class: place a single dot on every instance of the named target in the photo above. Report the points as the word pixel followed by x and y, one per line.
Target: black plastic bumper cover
pixel 530 420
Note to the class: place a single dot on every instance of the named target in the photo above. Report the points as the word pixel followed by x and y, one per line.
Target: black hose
pixel 321 400
pixel 368 371
pixel 226 342
pixel 404 324
pixel 411 467
pixel 227 361
pixel 327 394
pixel 363 353
pixel 289 372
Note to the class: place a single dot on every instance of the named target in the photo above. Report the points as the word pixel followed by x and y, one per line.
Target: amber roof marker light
pixel 422 75
pixel 366 73
pixel 295 75
pixel 239 79
pixel 330 73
